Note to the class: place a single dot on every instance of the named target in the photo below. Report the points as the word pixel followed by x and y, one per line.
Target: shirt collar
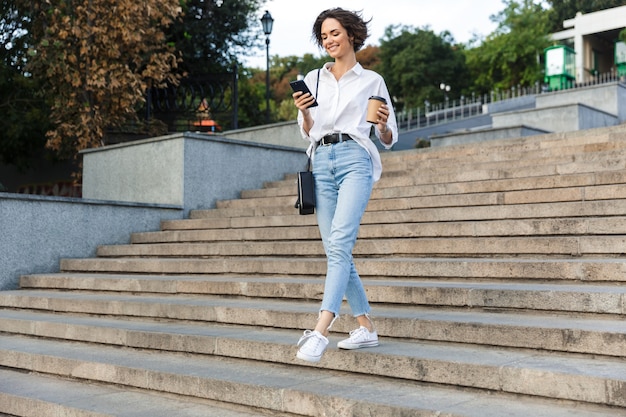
pixel 357 68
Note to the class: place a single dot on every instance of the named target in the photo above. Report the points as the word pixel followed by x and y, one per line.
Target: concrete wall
pixel 407 140
pixel 192 170
pixel 146 171
pixel 564 118
pixel 130 188
pixel 484 135
pixel 517 103
pixel 36 232
pixel 279 134
pixel 610 98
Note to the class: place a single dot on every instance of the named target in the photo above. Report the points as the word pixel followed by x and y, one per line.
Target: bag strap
pixel 318 82
pixel 317 86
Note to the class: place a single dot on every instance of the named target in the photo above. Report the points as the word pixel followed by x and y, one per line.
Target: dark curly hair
pixel 352 21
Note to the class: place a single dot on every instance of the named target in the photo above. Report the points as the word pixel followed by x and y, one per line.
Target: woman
pixel 346 163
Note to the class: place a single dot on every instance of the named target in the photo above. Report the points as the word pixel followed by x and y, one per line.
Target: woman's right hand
pixel 302 100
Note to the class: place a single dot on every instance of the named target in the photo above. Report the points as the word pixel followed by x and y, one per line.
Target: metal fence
pixel 195 103
pixel 465 107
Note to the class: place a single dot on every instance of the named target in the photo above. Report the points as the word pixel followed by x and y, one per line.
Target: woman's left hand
pixel 383 116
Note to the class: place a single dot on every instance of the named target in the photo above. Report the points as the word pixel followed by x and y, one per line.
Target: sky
pixel 293 21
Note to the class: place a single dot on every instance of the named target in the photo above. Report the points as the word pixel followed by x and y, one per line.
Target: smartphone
pixel 300 85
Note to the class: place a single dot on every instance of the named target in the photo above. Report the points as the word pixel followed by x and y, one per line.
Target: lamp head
pixel 267 21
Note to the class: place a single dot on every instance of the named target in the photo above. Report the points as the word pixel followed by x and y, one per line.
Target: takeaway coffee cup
pixel 373 105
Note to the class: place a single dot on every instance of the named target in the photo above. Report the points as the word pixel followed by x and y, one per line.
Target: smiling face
pixel 335 39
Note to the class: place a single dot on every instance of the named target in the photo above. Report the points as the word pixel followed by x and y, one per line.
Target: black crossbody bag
pixel 306 184
pixel 306 191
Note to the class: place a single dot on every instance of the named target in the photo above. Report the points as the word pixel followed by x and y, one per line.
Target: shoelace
pixel 307 335
pixel 358 333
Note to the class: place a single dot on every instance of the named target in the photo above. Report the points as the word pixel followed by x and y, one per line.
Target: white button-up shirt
pixel 343 107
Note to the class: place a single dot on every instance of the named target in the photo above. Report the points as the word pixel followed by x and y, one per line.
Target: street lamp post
pixel 446 89
pixel 267 21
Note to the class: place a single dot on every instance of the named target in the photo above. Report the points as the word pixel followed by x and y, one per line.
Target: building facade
pixel 594 38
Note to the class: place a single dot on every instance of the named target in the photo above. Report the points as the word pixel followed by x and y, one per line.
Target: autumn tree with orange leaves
pixel 98 57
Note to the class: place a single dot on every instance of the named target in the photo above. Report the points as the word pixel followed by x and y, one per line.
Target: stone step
pixel 298 389
pixel 476 174
pixel 401 199
pixel 600 185
pixel 441 246
pixel 519 163
pixel 563 270
pixel 286 209
pixel 493 270
pixel 560 333
pixel 439 159
pixel 425 362
pixel 431 171
pixel 405 188
pixel 515 165
pixel 206 231
pixel 513 151
pixel 594 139
pixel 416 216
pixel 532 296
pixel 36 395
pixel 286 193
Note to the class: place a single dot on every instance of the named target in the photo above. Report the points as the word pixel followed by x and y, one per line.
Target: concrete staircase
pixel 495 270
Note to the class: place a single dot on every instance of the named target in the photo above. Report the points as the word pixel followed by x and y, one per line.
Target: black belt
pixel 335 138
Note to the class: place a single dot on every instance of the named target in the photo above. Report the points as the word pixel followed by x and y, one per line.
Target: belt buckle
pixel 332 138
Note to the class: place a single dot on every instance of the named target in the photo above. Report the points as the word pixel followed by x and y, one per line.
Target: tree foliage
pixel 369 56
pixel 97 58
pixel 282 71
pixel 24 113
pixel 414 62
pixel 14 34
pixel 251 98
pixel 24 120
pixel 213 34
pixel 510 56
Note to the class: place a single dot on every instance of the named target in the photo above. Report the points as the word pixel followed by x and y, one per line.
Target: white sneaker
pixel 359 338
pixel 313 346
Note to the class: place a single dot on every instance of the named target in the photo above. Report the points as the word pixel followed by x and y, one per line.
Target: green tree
pixel 14 33
pixel 24 118
pixel 251 108
pixel 282 71
pixel 414 62
pixel 309 62
pixel 213 34
pixel 509 56
pixel 24 112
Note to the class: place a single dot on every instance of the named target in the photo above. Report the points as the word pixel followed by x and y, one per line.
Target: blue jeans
pixel 343 184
